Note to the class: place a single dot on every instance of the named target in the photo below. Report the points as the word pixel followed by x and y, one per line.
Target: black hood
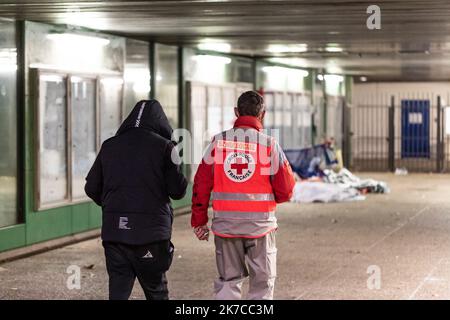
pixel 148 115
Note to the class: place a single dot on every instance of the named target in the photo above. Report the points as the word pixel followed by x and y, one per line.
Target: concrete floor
pixel 324 252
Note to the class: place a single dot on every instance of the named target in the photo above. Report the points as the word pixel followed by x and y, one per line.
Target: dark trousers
pixel 148 263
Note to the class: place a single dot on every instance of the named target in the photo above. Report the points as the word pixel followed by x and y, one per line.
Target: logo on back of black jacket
pixel 123 223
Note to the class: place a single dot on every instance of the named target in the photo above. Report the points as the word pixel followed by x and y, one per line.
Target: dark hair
pixel 250 103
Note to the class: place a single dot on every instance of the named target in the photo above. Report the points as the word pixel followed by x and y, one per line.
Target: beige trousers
pixel 238 258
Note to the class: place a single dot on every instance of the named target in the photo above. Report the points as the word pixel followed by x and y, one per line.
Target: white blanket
pixel 308 192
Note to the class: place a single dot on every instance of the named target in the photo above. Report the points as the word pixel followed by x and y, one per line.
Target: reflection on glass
pixel 214 110
pixel 166 81
pixel 270 106
pixel 8 128
pixel 110 106
pixel 136 73
pixel 52 138
pixel 447 120
pixel 198 124
pixel 77 51
pixel 229 96
pixel 83 132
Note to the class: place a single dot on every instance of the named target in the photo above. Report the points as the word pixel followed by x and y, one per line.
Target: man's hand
pixel 202 232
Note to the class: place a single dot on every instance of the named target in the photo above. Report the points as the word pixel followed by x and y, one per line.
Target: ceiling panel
pixel 413 43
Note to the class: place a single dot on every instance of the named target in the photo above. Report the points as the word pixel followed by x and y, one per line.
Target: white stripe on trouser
pixel 238 258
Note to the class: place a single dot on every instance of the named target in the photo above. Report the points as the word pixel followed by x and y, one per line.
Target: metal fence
pixel 401 131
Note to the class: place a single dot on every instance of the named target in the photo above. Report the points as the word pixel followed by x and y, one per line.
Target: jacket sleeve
pixel 282 178
pixel 176 183
pixel 94 181
pixel 203 185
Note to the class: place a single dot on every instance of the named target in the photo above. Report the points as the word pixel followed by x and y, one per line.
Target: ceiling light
pixel 7 67
pixel 333 48
pixel 279 48
pixel 301 73
pixel 215 46
pixel 208 59
pixel 51 78
pixel 76 38
pixel 333 78
pixel 137 74
pixel 320 77
pixel 363 79
pixel 112 81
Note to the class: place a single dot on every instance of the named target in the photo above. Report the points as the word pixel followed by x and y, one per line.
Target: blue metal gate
pixel 415 128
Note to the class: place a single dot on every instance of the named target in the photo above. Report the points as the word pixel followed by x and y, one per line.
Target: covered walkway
pixel 325 252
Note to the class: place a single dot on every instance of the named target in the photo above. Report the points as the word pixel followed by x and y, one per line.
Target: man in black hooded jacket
pixel 132 180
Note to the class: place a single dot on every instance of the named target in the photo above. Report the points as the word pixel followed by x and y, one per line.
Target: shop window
pixel 110 106
pixel 8 125
pixel 52 139
pixel 166 82
pixel 75 113
pixel 84 142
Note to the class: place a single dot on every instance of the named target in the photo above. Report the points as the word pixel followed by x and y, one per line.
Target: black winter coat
pixel 134 176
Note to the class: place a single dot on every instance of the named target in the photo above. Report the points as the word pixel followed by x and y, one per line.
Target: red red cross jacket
pixel 244 200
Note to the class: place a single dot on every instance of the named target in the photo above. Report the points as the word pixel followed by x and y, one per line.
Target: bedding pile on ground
pixel 319 182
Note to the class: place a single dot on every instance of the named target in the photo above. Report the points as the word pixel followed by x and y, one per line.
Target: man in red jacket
pixel 248 174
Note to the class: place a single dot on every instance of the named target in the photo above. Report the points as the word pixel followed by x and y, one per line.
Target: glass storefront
pixel 8 125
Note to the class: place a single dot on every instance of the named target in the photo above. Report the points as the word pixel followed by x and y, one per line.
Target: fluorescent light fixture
pixel 333 78
pixel 208 59
pixel 112 81
pixel 215 46
pixel 51 78
pixel 8 60
pixel 140 87
pixel 333 48
pixel 277 69
pixel 7 53
pixel 136 74
pixel 140 77
pixel 7 67
pixel 320 77
pixel 363 79
pixel 75 79
pixel 291 62
pixel 280 48
pixel 77 38
pixel 272 68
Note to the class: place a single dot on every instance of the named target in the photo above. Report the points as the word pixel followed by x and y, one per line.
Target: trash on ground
pixel 348 179
pixel 401 171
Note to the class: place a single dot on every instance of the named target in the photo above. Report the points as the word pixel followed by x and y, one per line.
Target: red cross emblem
pixel 239 166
